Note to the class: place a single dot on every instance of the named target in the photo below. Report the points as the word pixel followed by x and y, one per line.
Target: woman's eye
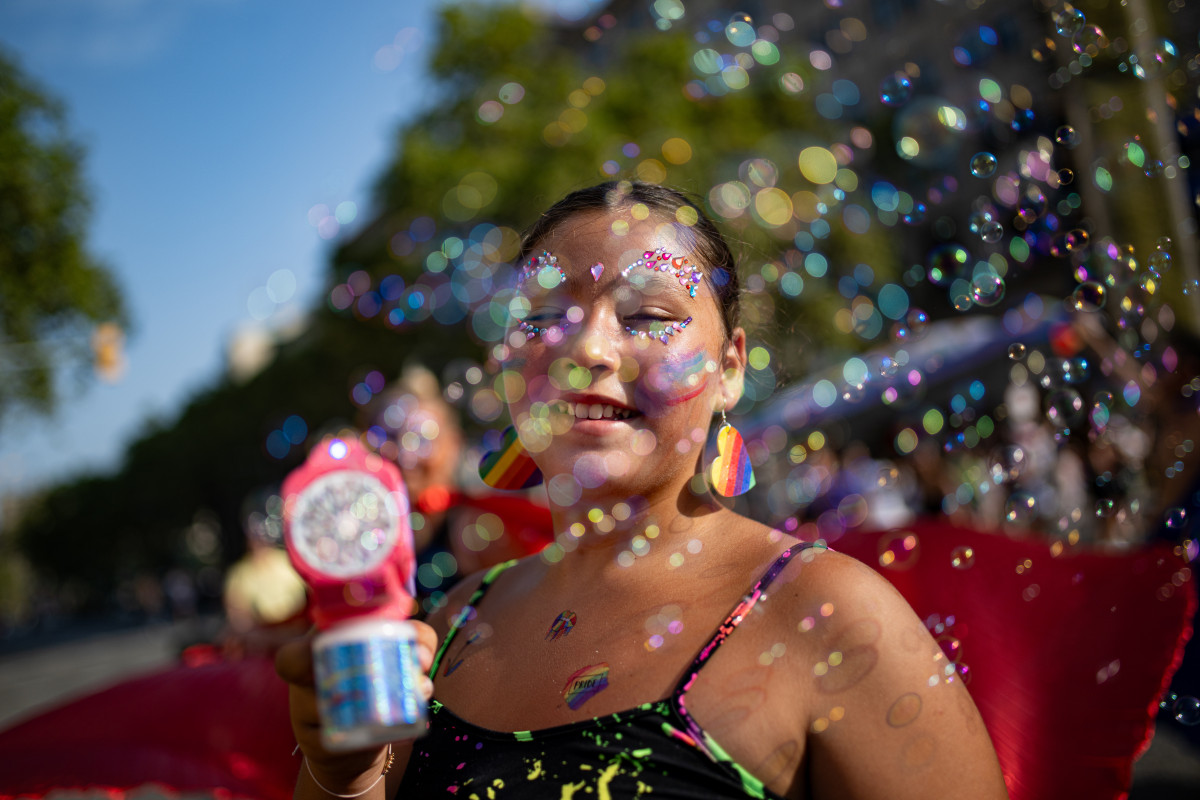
pixel 649 318
pixel 544 316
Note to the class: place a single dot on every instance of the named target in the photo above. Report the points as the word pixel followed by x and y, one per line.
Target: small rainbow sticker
pixel 510 468
pixel 585 684
pixel 561 626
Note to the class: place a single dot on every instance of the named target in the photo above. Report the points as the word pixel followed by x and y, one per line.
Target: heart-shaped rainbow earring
pixel 731 473
pixel 510 468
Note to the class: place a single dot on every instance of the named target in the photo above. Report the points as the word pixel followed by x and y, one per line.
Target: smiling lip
pixel 593 407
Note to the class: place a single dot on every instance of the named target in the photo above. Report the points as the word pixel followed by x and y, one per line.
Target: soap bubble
pixel 1075 370
pixel 991 232
pixel 1069 22
pixel 1032 203
pixel 983 165
pixel 1105 508
pixel 740 31
pixel 1065 177
pixel 947 262
pixel 911 326
pixel 1007 463
pixel 1160 58
pixel 1066 136
pixel 899 551
pixel 916 215
pixel 916 320
pixel 1016 351
pixel 1088 296
pixel 962 557
pixel 896 89
pixel 1020 509
pixel 1191 286
pixel 1176 518
pixel 951 647
pixel 1089 40
pixel 1186 710
pixel 1064 408
pixel 987 288
pixel 1159 261
pixel 980 218
pixel 1077 240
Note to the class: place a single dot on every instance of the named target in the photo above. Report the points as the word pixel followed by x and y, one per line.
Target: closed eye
pixel 649 317
pixel 541 316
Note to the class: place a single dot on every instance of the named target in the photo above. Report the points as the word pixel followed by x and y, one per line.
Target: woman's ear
pixel 733 368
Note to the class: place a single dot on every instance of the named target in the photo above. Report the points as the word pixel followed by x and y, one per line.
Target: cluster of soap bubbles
pixel 947 186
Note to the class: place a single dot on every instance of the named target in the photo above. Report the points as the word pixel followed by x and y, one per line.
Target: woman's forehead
pixel 616 236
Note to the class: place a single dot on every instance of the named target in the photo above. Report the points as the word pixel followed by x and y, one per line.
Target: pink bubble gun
pixel 347 531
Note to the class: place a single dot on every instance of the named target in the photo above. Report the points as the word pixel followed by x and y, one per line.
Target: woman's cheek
pixel 674 380
pixel 540 389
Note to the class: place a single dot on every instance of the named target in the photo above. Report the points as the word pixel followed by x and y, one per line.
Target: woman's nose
pixel 596 344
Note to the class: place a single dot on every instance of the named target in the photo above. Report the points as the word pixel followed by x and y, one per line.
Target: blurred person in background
pixel 455 532
pixel 264 597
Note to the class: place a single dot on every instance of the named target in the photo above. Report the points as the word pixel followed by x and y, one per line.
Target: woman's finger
pixel 426 644
pixel 293 661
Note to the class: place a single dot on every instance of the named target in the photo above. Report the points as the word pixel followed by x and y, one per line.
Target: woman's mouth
pixel 597 411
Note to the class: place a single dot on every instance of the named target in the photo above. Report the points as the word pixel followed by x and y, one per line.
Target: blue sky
pixel 214 130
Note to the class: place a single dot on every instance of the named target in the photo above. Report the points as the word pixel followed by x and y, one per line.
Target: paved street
pixel 39 678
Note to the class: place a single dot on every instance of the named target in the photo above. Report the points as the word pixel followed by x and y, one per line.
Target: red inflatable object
pixel 222 725
pixel 1068 655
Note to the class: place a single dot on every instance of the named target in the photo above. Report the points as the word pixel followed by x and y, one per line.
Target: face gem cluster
pixel 658 260
pixel 542 266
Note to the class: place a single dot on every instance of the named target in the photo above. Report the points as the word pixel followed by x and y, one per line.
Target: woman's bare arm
pixel 889 717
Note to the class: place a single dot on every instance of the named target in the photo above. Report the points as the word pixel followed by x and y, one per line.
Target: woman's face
pixel 623 363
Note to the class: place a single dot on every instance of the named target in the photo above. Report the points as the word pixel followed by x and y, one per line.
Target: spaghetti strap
pixel 461 618
pixel 748 601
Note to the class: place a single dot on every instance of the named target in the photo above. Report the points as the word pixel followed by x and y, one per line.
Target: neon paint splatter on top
pixel 653 749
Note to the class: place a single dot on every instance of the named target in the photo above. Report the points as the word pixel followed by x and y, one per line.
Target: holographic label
pixel 561 626
pixel 368 683
pixel 585 684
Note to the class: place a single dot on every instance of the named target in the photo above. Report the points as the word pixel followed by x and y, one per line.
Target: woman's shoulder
pixel 819 587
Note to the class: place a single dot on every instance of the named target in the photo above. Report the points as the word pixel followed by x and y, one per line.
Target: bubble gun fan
pixel 348 535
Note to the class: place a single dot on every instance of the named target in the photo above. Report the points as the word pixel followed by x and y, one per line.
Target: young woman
pixel 665 645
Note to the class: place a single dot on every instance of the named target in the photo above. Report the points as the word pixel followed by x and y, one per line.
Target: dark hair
pixel 709 246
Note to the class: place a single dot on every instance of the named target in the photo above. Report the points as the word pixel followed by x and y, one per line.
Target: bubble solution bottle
pixel 348 535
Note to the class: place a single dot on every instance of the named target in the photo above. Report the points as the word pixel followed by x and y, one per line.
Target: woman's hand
pixel 340 773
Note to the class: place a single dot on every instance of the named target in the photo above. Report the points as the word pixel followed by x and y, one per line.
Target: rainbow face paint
pixel 562 625
pixel 674 380
pixel 585 684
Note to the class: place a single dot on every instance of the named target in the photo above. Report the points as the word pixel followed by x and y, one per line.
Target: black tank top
pixel 655 749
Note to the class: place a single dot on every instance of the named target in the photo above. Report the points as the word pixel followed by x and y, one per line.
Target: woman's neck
pixel 613 529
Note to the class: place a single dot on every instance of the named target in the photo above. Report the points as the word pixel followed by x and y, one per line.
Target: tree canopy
pixel 54 294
